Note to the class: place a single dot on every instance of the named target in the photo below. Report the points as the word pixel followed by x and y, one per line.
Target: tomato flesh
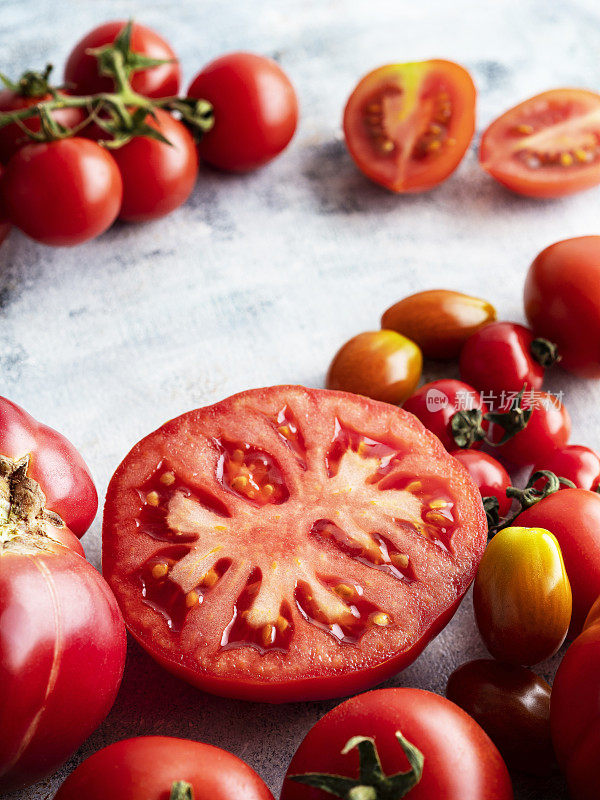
pixel 289 543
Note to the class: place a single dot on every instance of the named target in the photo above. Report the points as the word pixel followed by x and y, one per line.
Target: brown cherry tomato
pixel 439 321
pixel 512 705
pixel 382 364
pixel 522 596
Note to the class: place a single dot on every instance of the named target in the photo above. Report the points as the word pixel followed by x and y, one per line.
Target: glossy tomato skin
pixel 488 474
pixel 461 763
pixel 562 302
pixel 81 70
pixel 145 768
pixel 62 193
pixel 437 402
pixel 573 516
pixel 411 145
pixel 382 364
pixel 157 177
pixel 497 359
pixel 577 463
pixel 62 653
pixel 512 705
pixel 55 464
pixel 255 109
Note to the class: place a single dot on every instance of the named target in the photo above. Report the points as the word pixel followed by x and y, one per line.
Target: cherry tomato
pixel 408 126
pixel 575 462
pixel 54 463
pixel 62 638
pixel 573 516
pixel 383 365
pixel 512 705
pixel 488 475
pixel 255 108
pixel 575 711
pixel 562 302
pixel 439 321
pixel 4 223
pixel 159 767
pixel 63 192
pixel 522 596
pixel 157 177
pixel 243 537
pixel 81 70
pixel 455 760
pixel 545 146
pixel 437 403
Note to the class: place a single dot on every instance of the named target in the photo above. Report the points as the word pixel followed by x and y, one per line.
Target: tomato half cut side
pixel 290 543
pixel 547 146
pixel 407 126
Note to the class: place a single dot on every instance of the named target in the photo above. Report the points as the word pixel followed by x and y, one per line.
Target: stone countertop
pixel 258 279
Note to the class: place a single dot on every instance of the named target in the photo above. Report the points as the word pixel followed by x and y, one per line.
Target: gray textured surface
pixel 258 279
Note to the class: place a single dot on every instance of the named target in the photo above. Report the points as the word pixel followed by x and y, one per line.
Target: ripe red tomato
pixel 575 462
pixel 280 522
pixel 158 767
pixel 54 463
pixel 81 70
pixel 545 146
pixel 459 760
pixel 63 192
pixel 437 403
pixel 255 108
pixel 62 638
pixel 408 126
pixel 488 474
pixel 562 302
pixel 573 516
pixel 157 177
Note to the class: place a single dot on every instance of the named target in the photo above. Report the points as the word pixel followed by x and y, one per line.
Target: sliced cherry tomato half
pixel 243 538
pixel 407 126
pixel 546 146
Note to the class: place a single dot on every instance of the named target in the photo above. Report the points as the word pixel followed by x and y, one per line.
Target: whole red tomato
pixel 63 192
pixel 157 177
pixel 562 301
pixel 81 70
pixel 577 463
pixel 159 767
pixel 54 463
pixel 488 474
pixel 452 410
pixel 454 758
pixel 62 638
pixel 255 108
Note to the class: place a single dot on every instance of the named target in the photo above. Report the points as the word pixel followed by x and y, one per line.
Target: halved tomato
pixel 290 543
pixel 547 146
pixel 408 126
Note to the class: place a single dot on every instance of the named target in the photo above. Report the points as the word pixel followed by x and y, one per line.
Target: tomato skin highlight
pixel 488 474
pixel 562 302
pixel 576 463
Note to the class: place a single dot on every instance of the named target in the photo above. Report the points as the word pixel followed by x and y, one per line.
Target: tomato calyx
pixel 22 502
pixel 491 506
pixel 467 427
pixel 31 83
pixel 531 495
pixel 181 790
pixel 372 784
pixel 544 352
pixel 512 421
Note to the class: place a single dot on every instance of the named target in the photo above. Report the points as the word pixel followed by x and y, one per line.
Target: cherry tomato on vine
pixel 255 109
pixel 81 70
pixel 382 364
pixel 547 145
pixel 427 747
pixel 488 475
pixel 562 302
pixel 63 192
pixel 407 126
pixel 576 463
pixel 161 767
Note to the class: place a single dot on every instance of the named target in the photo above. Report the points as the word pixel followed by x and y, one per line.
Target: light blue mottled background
pixel 258 279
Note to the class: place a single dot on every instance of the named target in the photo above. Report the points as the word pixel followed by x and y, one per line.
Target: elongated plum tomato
pixel 53 462
pixel 62 638
pixel 488 474
pixel 522 596
pixel 161 767
pixel 383 365
pixel 290 543
pixel 81 70
pixel 546 146
pixel 407 126
pixel 562 302
pixel 428 749
pixel 576 463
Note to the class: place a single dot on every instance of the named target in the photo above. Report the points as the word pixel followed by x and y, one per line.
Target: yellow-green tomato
pixel 522 596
